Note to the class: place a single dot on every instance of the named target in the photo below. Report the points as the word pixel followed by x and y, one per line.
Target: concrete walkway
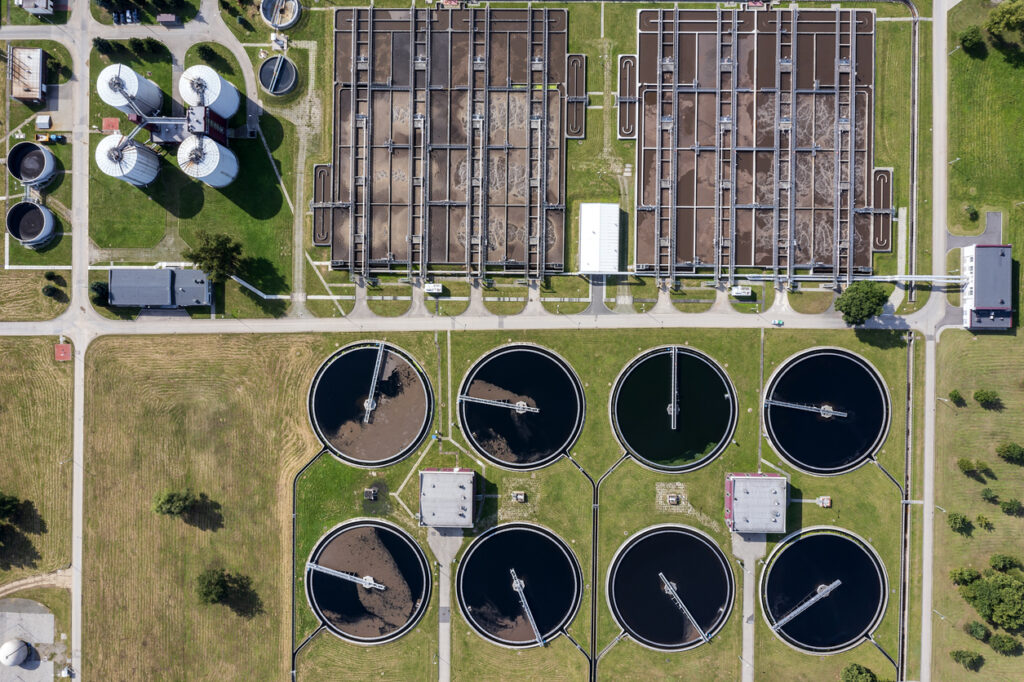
pixel 445 544
pixel 749 548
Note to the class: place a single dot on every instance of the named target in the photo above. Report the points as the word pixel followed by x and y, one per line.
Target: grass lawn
pixel 761 298
pixel 564 286
pixel 244 20
pixel 14 15
pixel 390 308
pixel 512 307
pixel 186 10
pixel 953 268
pixel 811 302
pixel 224 62
pixel 986 128
pixel 35 412
pixel 452 288
pixel 968 363
pixel 693 300
pixel 21 295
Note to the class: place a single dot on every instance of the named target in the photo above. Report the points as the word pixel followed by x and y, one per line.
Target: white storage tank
pixel 127 160
pixel 204 159
pixel 31 164
pixel 201 86
pixel 30 223
pixel 119 82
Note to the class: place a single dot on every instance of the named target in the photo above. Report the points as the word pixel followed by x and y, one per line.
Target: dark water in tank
pixel 695 569
pixel 340 596
pixel 828 444
pixel 344 385
pixel 551 584
pixel 847 612
pixel 528 438
pixel 705 406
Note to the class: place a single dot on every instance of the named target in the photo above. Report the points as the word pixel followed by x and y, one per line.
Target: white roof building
pixel 446 498
pixel 756 503
pixel 599 239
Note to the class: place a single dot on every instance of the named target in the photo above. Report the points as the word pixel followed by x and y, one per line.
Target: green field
pixel 810 301
pixel 185 10
pixel 439 306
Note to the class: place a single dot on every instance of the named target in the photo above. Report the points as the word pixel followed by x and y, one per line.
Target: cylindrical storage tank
pixel 30 223
pixel 278 75
pixel 201 86
pixel 31 164
pixel 14 652
pixel 280 14
pixel 127 160
pixel 204 159
pixel 119 82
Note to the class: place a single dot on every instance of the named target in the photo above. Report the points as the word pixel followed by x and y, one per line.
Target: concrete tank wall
pixel 30 223
pixel 127 160
pixel 200 85
pixel 145 93
pixel 204 159
pixel 31 164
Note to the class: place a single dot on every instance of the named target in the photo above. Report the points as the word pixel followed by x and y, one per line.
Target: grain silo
pixel 127 160
pixel 31 164
pixel 204 159
pixel 119 86
pixel 30 223
pixel 201 86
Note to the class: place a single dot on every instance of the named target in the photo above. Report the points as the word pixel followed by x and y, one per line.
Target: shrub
pixel 998 598
pixel 50 291
pixel 1007 645
pixel 1003 562
pixel 1011 452
pixel 206 53
pixel 972 40
pixel 99 291
pixel 984 522
pixel 855 672
pixel 977 631
pixel 971 660
pixel 966 466
pixel 861 301
pixel 174 503
pixel 958 523
pixel 957 398
pixel 1011 507
pixel 972 213
pixel 49 275
pixel 989 495
pixel 964 576
pixel 212 585
pixel 987 398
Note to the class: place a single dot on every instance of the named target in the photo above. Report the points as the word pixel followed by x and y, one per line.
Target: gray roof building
pixel 446 498
pixel 158 288
pixel 988 288
pixel 756 503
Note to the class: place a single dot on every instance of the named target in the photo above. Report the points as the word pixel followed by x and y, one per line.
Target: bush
pixel 99 291
pixel 102 45
pixel 966 466
pixel 49 275
pixel 987 398
pixel 861 301
pixel 1011 507
pixel 1011 452
pixel 972 40
pixel 1003 562
pixel 50 291
pixel 964 576
pixel 957 398
pixel 972 213
pixel 998 598
pixel 1008 16
pixel 206 53
pixel 212 585
pixel 989 495
pixel 174 503
pixel 971 660
pixel 154 46
pixel 1007 645
pixel 958 523
pixel 984 522
pixel 977 631
pixel 855 672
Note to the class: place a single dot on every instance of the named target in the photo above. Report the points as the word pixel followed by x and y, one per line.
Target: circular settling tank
pixel 370 404
pixel 368 581
pixel 680 380
pixel 510 569
pixel 521 406
pixel 278 75
pixel 30 223
pixel 669 587
pixel 280 14
pixel 826 411
pixel 823 590
pixel 31 163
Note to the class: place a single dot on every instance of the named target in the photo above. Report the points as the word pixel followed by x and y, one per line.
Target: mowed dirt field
pixel 225 417
pixel 21 297
pixel 35 420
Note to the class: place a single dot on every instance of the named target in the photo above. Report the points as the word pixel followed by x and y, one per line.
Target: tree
pixel 218 255
pixel 989 495
pixel 1011 452
pixel 206 53
pixel 1007 645
pixel 987 398
pixel 967 466
pixel 855 672
pixel 50 275
pixel 154 46
pixel 102 45
pixel 1011 507
pixel 977 631
pixel 972 213
pixel 212 585
pixel 9 505
pixel 137 45
pixel 998 598
pixel 50 291
pixel 971 660
pixel 174 503
pixel 964 576
pixel 861 301
pixel 957 398
pixel 985 522
pixel 972 40
pixel 958 523
pixel 1003 562
pixel 99 292
pixel 1008 16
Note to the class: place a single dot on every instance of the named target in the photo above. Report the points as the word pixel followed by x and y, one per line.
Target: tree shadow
pixel 28 520
pixel 58 177
pixel 257 192
pixel 262 274
pixel 16 549
pixel 174 191
pixel 1012 52
pixel 882 338
pixel 58 237
pixel 795 511
pixel 205 514
pixel 60 297
pixel 219 63
pixel 241 597
pixel 996 405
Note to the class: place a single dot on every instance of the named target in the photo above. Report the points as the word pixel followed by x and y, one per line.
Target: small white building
pixel 756 503
pixel 446 498
pixel 599 239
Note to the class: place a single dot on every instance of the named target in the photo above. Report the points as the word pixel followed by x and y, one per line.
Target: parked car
pixel 127 16
pixel 117 18
pixel 135 15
